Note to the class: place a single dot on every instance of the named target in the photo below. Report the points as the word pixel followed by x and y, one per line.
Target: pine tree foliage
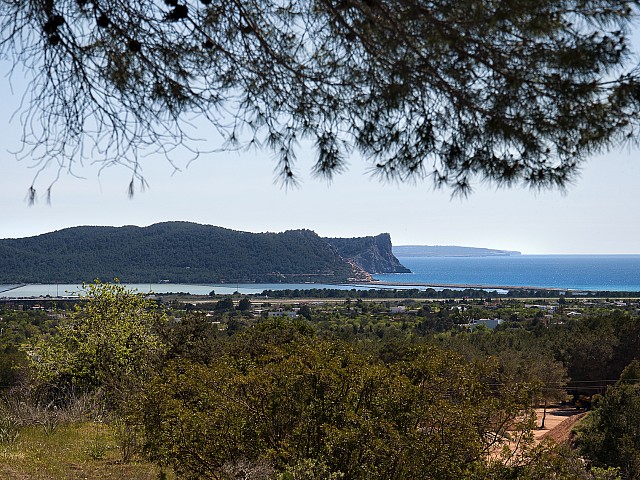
pixel 509 91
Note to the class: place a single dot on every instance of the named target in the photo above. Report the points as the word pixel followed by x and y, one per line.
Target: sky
pixel 599 214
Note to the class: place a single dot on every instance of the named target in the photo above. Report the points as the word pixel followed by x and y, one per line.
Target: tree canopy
pixel 611 435
pixel 306 404
pixel 109 343
pixel 509 91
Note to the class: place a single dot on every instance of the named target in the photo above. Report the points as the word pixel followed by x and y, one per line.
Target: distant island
pixel 185 252
pixel 449 251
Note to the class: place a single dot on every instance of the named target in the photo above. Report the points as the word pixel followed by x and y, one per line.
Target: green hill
pixel 179 252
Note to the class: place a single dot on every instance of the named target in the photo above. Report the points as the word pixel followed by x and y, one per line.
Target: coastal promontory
pixel 373 254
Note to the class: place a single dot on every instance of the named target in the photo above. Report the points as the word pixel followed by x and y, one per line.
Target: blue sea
pixel 571 272
pixel 565 272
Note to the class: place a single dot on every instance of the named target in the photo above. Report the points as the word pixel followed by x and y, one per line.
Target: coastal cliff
pixel 372 254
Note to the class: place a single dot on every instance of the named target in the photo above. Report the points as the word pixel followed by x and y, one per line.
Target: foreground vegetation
pixel 83 450
pixel 126 387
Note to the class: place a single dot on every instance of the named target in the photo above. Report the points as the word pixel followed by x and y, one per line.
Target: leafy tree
pixel 588 349
pixel 539 368
pixel 610 436
pixel 193 336
pixel 305 311
pixel 510 91
pixel 631 374
pixel 109 343
pixel 244 305
pixel 550 461
pixel 224 304
pixel 11 365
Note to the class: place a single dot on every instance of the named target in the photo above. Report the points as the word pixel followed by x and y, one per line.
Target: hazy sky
pixel 599 214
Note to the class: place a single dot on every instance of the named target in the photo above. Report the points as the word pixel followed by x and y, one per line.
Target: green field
pixel 76 451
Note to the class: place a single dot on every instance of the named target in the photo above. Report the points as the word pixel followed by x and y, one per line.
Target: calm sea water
pixel 579 272
pixel 576 272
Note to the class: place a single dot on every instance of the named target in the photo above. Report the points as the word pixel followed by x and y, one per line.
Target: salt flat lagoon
pixel 62 290
pixel 571 272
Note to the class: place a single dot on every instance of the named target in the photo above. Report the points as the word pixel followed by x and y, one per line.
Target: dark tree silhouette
pixel 514 92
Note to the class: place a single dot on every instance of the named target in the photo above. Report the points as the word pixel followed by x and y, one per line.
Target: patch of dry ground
pixel 558 423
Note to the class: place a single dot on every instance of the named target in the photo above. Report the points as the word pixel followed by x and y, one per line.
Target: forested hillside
pixel 175 251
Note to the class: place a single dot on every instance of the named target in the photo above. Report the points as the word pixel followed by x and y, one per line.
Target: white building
pixel 490 323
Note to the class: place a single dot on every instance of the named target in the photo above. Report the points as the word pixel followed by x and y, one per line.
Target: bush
pixel 610 436
pixel 313 408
